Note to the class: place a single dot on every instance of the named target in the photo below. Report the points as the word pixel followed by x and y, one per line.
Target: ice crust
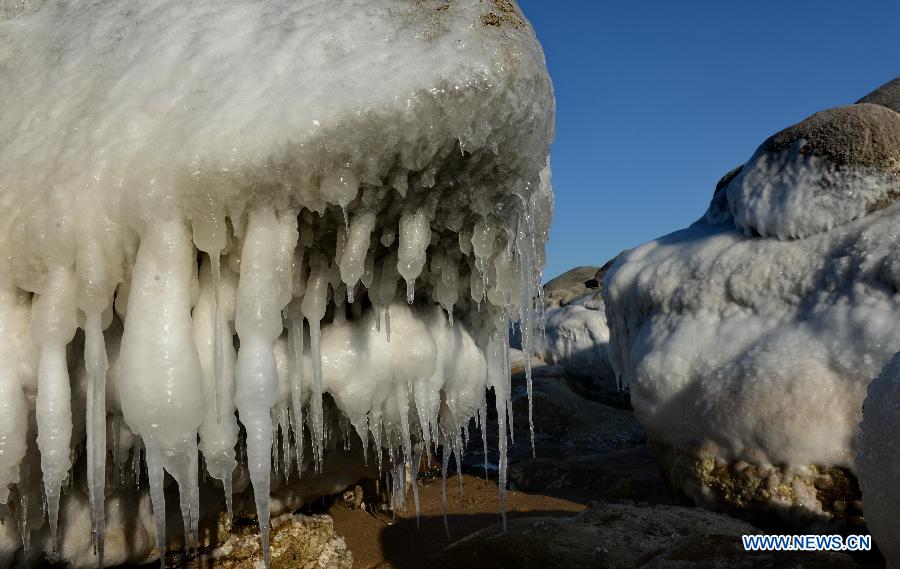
pixel 218 205
pixel 762 346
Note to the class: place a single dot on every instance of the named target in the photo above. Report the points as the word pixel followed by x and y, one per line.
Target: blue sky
pixel 657 100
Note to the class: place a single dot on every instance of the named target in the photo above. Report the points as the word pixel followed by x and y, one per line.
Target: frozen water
pixel 226 199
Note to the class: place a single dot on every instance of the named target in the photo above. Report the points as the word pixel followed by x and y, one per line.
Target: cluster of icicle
pixel 395 301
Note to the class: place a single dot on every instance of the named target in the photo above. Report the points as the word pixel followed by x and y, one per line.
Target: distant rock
pixel 572 284
pixel 888 95
pixel 575 332
pixel 623 536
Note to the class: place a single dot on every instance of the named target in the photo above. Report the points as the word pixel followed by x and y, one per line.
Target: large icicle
pixel 211 237
pixel 13 404
pixel 258 323
pixel 219 430
pixel 54 322
pixel 94 297
pixel 160 387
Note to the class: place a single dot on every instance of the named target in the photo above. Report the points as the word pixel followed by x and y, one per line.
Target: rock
pixel 888 95
pixel 567 425
pixel 623 536
pixel 836 166
pixel 763 494
pixel 855 135
pixel 575 332
pixel 751 341
pixel 627 474
pixel 297 542
pixel 879 460
pixel 571 284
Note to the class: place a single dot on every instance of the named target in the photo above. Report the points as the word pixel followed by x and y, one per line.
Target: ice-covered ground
pixel 227 220
pixel 756 330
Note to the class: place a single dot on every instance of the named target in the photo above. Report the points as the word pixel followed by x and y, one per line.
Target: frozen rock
pixel 751 336
pixel 625 536
pixel 575 335
pixel 210 209
pixel 878 461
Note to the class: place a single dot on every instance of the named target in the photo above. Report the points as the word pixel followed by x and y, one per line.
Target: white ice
pixel 225 199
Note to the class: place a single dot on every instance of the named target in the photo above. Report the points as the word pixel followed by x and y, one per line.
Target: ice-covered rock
pixel 575 335
pixel 749 338
pixel 879 460
pixel 246 236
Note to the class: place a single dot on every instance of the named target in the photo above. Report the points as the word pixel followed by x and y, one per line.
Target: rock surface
pixel 623 536
pixel 298 542
pixel 888 95
pixel 879 460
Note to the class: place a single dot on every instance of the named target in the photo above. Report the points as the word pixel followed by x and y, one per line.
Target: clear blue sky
pixel 656 100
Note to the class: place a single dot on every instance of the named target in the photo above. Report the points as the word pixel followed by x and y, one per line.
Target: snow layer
pixel 879 460
pixel 311 156
pixel 762 346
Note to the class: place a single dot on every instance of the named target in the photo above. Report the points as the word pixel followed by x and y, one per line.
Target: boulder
pixel 879 460
pixel 625 536
pixel 748 339
pixel 836 166
pixel 888 95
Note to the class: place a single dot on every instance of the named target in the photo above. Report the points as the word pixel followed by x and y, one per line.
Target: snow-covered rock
pixel 750 337
pixel 366 186
pixel 575 332
pixel 878 461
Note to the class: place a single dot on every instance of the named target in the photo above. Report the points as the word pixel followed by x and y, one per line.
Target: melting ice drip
pixel 395 301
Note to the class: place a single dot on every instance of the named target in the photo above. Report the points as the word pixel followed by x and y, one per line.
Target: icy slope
pixel 220 212
pixel 754 333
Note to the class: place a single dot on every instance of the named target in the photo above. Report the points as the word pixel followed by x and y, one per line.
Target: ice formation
pixel 757 329
pixel 878 461
pixel 246 237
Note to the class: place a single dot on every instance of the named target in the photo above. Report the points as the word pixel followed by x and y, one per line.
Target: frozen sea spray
pixel 252 227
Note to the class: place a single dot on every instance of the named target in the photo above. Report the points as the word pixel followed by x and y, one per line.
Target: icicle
pixel 211 237
pixel 258 323
pixel 93 292
pixel 414 471
pixel 482 413
pixel 415 235
pixel 13 404
pixel 354 255
pixel 219 430
pixel 156 478
pixel 53 326
pixel 313 307
pixel 445 461
pixel 295 346
pixel 96 364
pixel 161 379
